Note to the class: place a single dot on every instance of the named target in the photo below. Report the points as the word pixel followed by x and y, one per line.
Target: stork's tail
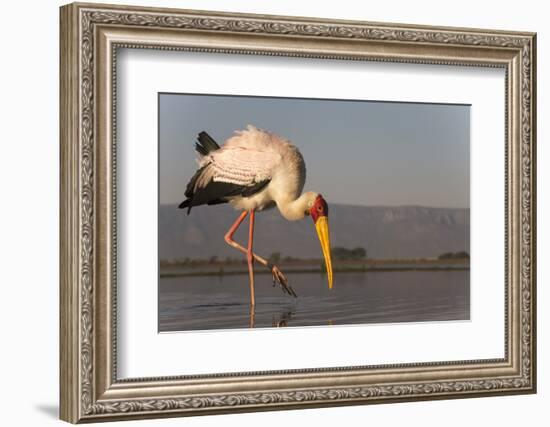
pixel 186 204
pixel 205 144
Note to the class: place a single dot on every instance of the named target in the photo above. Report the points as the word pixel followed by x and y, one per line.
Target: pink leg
pixel 229 239
pixel 231 231
pixel 278 276
pixel 250 258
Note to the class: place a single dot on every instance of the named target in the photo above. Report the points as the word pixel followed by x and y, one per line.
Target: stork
pixel 256 170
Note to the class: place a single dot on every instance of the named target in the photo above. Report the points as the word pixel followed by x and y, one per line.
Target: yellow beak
pixel 321 225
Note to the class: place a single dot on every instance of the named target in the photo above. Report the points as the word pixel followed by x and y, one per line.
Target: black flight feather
pixel 254 188
pixel 205 144
pixel 191 184
pixel 216 192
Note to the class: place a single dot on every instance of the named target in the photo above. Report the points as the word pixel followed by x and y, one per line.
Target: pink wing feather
pixel 249 157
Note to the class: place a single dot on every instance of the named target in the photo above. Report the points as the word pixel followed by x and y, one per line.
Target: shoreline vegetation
pixel 358 263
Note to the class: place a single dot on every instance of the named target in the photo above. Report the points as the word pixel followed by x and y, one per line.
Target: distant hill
pixel 385 232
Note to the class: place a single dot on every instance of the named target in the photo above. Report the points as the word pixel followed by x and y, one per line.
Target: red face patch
pixel 319 208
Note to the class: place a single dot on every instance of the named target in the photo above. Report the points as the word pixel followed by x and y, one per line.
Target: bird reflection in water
pixel 252 316
pixel 279 320
pixel 282 319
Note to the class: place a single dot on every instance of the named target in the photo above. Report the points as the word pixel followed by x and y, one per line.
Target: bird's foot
pixel 280 279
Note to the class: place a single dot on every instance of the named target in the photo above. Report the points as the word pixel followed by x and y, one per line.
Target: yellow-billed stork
pixel 256 170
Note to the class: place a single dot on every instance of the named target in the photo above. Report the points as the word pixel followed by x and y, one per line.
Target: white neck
pixel 294 210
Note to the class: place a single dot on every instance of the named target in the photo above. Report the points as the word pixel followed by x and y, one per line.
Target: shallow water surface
pixel 222 302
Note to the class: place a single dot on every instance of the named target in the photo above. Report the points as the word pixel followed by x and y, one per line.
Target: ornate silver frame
pixel 90 36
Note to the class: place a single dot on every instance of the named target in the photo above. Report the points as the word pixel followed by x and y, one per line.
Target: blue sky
pixel 356 152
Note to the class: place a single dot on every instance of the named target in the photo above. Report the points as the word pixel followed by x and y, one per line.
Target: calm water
pixel 209 302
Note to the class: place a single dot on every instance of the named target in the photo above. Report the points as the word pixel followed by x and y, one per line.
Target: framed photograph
pixel 266 212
